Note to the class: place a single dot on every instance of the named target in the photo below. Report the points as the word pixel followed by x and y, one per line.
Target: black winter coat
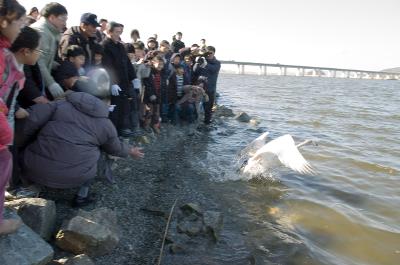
pixel 33 87
pixel 118 65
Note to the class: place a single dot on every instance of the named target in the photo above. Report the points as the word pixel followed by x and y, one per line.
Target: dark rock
pixel 156 212
pixel 23 247
pixel 213 222
pixel 190 228
pixel 92 233
pixel 37 213
pixel 176 249
pixel 243 117
pixel 190 208
pixel 223 111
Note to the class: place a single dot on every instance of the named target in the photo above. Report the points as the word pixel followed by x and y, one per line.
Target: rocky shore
pixel 126 223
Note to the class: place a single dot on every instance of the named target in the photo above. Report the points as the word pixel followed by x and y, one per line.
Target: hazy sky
pixel 358 34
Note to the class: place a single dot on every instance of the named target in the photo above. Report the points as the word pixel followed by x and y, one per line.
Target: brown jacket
pixel 67 138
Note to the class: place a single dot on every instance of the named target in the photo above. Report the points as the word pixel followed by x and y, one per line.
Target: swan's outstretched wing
pixel 286 151
pixel 252 147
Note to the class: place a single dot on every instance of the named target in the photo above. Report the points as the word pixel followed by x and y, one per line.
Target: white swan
pixel 281 150
pixel 252 147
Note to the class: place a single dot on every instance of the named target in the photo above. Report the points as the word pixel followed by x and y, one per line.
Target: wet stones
pixel 193 222
pixel 37 213
pixel 243 117
pixel 24 246
pixel 213 222
pixel 191 208
pixel 223 111
pixel 93 233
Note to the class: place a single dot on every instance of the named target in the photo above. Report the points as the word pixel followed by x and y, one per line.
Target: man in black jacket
pixel 84 36
pixel 122 74
pixel 177 44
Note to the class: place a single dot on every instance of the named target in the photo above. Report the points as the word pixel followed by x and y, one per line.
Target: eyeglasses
pixel 39 51
pixel 63 18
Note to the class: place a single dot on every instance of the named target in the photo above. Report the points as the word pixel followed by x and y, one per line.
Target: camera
pixel 200 60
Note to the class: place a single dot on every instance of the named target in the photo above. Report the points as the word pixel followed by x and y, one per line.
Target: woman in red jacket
pixel 12 18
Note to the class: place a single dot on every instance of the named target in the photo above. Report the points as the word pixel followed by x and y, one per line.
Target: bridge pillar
pixel 260 70
pixel 334 74
pixel 241 69
pixel 284 71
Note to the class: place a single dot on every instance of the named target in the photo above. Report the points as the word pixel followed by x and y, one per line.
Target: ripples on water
pixel 349 212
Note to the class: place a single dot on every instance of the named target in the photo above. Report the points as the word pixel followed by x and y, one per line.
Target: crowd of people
pixel 56 121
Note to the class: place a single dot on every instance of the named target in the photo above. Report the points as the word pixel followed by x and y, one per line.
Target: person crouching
pixel 66 137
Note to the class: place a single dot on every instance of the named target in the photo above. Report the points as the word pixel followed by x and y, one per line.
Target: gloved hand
pixel 111 108
pixel 115 89
pixel 56 90
pixel 153 98
pixel 136 83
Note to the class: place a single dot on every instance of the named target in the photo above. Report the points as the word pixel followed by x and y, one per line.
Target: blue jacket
pixel 211 71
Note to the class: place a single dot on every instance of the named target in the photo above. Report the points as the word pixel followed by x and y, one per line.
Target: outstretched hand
pixel 136 152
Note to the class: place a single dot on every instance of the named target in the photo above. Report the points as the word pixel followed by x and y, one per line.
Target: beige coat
pixel 49 40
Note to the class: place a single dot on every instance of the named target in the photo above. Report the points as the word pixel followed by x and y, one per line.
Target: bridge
pixel 301 70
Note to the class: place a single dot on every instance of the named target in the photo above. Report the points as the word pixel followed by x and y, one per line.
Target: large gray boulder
pixel 93 233
pixel 23 247
pixel 37 213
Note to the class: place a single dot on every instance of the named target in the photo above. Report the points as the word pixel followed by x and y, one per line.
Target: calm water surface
pixel 348 213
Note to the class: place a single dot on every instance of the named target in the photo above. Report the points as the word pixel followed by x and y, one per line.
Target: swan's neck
pixel 304 143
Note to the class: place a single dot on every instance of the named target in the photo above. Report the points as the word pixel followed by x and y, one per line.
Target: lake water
pixel 348 213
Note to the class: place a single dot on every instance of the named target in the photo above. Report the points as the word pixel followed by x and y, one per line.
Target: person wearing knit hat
pixel 66 75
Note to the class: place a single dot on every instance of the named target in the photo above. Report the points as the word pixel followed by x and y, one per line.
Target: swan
pixel 280 151
pixel 252 147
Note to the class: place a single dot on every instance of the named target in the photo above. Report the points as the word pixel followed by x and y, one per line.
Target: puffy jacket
pixel 68 135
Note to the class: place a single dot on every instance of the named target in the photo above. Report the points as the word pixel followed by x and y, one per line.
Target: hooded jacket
pixel 68 135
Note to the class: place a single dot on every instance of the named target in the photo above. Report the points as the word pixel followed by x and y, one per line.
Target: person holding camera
pixel 208 66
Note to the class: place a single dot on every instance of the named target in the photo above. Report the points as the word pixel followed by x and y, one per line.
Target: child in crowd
pixel 76 55
pixel 26 46
pixel 175 92
pixel 12 18
pixel 98 55
pixel 130 50
pixel 152 94
pixel 25 51
pixel 66 75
